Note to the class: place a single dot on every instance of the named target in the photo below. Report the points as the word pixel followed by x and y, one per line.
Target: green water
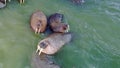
pixel 95 26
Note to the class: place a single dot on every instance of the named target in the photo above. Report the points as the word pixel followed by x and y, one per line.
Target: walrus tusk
pixel 39 30
pixel 40 50
pixel 37 50
pixel 36 30
pixel 21 1
pixel 68 28
pixel 5 2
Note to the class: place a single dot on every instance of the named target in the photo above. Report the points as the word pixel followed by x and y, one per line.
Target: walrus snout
pixel 66 28
pixel 41 46
pixel 38 27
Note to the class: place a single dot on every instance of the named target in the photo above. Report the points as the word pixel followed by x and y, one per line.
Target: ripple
pixel 115 5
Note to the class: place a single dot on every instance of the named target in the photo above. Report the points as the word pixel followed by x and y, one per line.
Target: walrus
pixel 53 43
pixel 42 62
pixel 2 3
pixel 38 22
pixel 56 24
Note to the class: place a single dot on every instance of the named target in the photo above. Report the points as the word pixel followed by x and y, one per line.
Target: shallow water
pixel 95 26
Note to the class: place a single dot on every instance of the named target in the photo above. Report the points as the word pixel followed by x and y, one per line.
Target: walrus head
pixel 41 46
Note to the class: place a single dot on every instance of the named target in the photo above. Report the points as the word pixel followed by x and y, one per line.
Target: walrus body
pixel 2 3
pixel 42 62
pixel 38 21
pixel 55 22
pixel 54 42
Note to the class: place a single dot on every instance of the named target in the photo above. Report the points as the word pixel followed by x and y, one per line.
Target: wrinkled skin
pixel 53 43
pixel 55 23
pixel 38 22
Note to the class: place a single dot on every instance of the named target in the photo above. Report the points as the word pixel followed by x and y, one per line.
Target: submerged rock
pixel 42 61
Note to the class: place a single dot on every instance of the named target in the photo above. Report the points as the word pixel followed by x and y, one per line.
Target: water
pixel 95 28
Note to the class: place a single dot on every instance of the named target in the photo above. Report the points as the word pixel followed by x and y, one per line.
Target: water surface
pixel 95 26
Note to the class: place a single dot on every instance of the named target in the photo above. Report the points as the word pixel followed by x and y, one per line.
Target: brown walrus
pixel 55 23
pixel 38 22
pixel 53 43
